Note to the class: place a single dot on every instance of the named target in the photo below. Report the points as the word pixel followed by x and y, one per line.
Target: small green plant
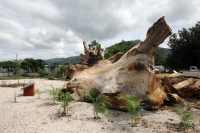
pixel 183 111
pixel 31 82
pixel 54 92
pixel 15 96
pixel 99 103
pixel 65 99
pixel 38 92
pixel 3 84
pixel 133 105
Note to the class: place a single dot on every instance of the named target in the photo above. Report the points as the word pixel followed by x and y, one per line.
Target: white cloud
pixel 49 29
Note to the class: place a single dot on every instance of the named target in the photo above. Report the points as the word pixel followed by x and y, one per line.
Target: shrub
pixel 54 92
pixel 133 105
pixel 65 99
pixel 99 103
pixel 38 92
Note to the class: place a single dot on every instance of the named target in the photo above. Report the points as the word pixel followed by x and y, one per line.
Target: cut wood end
pixel 161 20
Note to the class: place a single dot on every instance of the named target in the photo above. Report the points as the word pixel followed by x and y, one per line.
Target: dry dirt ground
pixel 33 115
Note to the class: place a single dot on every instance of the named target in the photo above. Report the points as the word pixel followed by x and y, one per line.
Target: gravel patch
pixel 33 115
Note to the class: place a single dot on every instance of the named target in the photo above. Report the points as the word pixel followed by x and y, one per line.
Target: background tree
pixel 55 69
pixel 62 71
pixel 10 65
pixel 41 63
pixel 32 65
pixel 93 44
pixel 123 47
pixel 24 65
pixel 185 47
pixel 159 58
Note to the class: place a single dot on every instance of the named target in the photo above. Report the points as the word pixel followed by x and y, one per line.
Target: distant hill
pixel 72 60
pixel 75 59
pixel 166 51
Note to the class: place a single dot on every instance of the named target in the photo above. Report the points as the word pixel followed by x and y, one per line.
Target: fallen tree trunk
pixel 188 88
pixel 184 83
pixel 189 91
pixel 131 74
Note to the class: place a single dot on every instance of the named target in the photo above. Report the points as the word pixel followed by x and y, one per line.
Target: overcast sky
pixel 44 29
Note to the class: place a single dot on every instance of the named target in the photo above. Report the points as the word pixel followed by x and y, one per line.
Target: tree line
pixel 30 65
pixel 184 46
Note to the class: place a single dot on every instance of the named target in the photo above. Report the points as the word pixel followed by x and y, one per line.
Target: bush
pixel 99 103
pixel 38 92
pixel 133 105
pixel 54 92
pixel 65 99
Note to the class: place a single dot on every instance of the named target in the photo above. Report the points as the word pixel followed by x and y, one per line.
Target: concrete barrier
pixel 6 74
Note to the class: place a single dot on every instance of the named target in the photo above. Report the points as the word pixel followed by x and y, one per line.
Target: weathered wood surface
pixel 184 83
pixel 189 91
pixel 116 57
pixel 131 74
pixel 92 56
pixel 174 78
pixel 173 97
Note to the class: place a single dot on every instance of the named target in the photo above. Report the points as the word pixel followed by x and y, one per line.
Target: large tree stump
pixel 131 74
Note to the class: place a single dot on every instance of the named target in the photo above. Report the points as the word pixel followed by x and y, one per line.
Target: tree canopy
pixel 9 64
pixel 159 57
pixel 185 47
pixel 123 47
pixel 94 43
pixel 30 63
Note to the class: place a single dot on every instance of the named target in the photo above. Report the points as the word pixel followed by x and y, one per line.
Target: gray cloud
pixel 49 29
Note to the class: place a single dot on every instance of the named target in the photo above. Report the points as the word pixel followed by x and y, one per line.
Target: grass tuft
pixel 54 92
pixel 183 111
pixel 38 92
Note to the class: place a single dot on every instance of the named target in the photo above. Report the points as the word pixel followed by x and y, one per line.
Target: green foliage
pixel 185 48
pixel 65 99
pixel 54 92
pixel 15 96
pixel 9 64
pixel 42 72
pixel 133 105
pixel 59 71
pixel 123 47
pixel 93 44
pixel 183 112
pixel 32 65
pixel 159 58
pixel 3 84
pixel 99 103
pixel 38 92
